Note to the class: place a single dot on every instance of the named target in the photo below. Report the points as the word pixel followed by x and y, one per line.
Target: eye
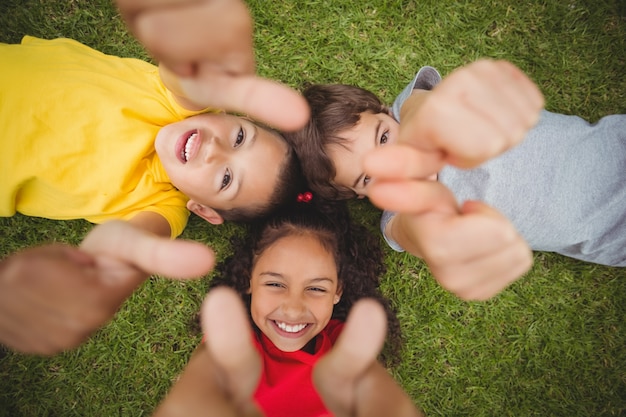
pixel 366 180
pixel 274 284
pixel 226 180
pixel 240 137
pixel 384 138
pixel 317 289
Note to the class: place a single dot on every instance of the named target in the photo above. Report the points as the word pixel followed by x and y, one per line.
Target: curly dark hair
pixel 334 108
pixel 356 250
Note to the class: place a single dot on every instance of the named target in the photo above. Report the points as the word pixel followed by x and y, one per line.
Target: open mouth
pixel 291 328
pixel 187 146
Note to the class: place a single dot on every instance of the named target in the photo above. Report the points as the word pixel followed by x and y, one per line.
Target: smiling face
pixel 221 161
pixel 371 131
pixel 291 302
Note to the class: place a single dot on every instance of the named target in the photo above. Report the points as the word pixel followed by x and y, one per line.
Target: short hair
pixel 334 108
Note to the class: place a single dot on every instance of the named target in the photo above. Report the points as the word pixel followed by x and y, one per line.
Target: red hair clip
pixel 304 197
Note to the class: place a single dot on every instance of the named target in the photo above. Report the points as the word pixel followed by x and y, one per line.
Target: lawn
pixel 553 344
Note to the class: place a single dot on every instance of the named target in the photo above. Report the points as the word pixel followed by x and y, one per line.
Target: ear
pixel 207 213
pixel 338 295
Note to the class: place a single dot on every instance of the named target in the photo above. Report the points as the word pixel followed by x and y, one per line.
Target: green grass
pixel 553 344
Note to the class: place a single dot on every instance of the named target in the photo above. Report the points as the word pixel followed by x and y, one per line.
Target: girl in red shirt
pixel 299 273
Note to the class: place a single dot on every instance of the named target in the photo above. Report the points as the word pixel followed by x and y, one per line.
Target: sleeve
pixel 384 220
pixel 176 216
pixel 425 79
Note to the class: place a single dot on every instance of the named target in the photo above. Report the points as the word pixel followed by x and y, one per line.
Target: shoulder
pixel 425 79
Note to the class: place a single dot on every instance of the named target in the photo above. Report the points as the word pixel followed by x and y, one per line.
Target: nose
pixel 293 307
pixel 215 148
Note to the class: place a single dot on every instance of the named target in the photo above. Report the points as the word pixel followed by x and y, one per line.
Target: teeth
pixel 188 145
pixel 290 329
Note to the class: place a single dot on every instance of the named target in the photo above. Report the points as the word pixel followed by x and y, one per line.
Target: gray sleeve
pixel 425 79
pixel 384 220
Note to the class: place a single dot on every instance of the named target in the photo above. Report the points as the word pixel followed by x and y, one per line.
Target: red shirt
pixel 286 385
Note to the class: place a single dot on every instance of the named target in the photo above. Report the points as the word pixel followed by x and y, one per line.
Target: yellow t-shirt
pixel 78 130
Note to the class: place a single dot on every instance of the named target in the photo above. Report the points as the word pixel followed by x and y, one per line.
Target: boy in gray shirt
pixel 563 186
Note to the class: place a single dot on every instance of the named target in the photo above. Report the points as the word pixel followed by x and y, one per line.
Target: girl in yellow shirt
pixel 98 137
pixel 87 135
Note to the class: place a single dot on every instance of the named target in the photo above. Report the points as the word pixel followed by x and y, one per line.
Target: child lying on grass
pixel 298 275
pixel 562 186
pixel 121 142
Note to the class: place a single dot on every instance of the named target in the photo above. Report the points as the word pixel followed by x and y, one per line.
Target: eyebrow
pixel 281 276
pixel 271 274
pixel 358 180
pixel 241 178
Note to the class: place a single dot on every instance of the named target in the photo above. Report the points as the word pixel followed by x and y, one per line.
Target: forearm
pixel 152 222
pixel 129 9
pixel 45 301
pixel 381 395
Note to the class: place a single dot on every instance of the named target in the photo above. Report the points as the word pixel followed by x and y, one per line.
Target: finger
pixel 361 340
pixel 223 372
pixel 53 296
pixel 250 95
pixel 500 98
pixel 401 161
pixel 336 375
pixel 450 235
pixel 476 113
pixel 171 34
pixel 229 338
pixel 464 136
pixel 488 275
pixel 148 252
pixel 20 336
pixel 42 324
pixel 499 91
pixel 520 101
pixel 413 197
pixel 498 254
pixel 199 393
pixel 533 94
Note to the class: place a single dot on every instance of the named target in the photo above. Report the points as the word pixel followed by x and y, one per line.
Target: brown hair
pixel 334 108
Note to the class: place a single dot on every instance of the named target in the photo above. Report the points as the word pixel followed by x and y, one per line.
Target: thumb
pixel 148 252
pixel 250 95
pixel 228 336
pixel 362 337
pixel 335 375
pixel 413 197
pixel 402 161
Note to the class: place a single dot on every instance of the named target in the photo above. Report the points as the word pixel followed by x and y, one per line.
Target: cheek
pixel 324 311
pixel 394 131
pixel 255 311
pixel 160 142
pixel 260 308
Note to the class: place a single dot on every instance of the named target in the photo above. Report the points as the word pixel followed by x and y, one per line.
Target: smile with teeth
pixel 188 146
pixel 290 328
